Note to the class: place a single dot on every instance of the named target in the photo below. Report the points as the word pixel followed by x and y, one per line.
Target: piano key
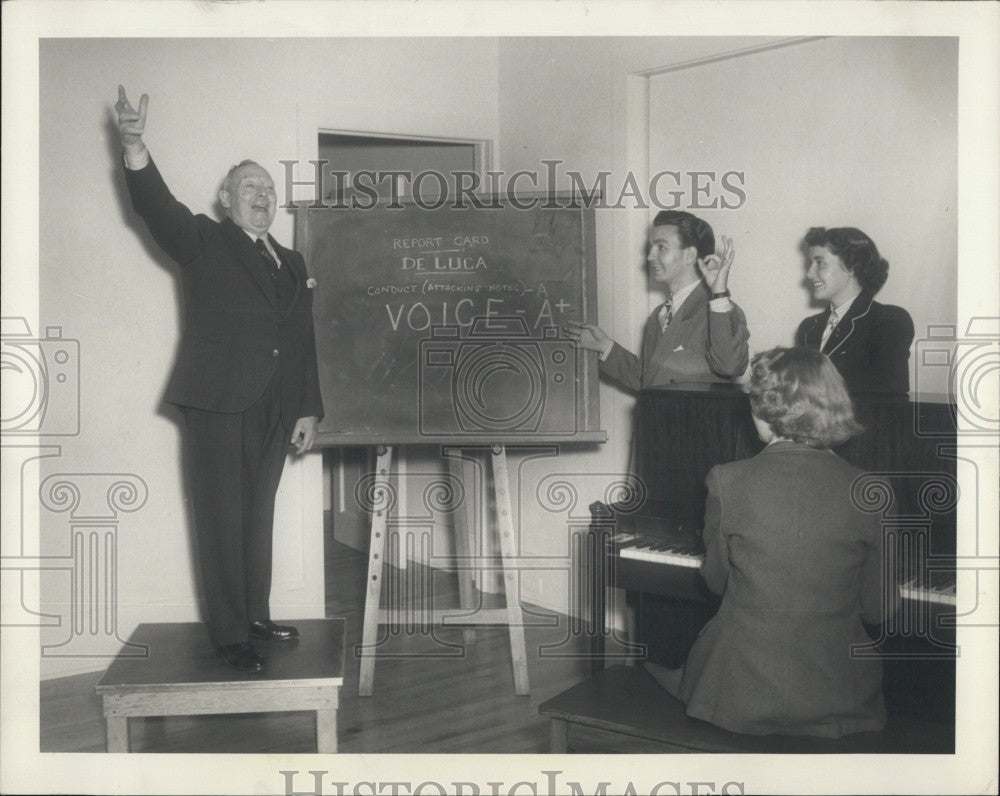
pixel 693 561
pixel 667 551
pixel 919 591
pixel 935 587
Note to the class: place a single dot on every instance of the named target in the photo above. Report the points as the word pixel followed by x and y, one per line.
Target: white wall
pixel 212 103
pixel 752 104
pixel 858 132
pixel 584 101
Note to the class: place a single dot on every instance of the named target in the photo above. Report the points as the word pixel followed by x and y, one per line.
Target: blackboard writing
pixel 444 325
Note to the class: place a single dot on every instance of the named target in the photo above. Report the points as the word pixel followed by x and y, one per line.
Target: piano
pixel 687 552
pixel 653 550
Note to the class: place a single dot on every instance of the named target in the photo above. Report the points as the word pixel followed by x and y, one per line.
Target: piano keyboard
pixel 939 588
pixel 676 553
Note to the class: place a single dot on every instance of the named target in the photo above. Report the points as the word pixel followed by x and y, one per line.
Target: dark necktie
pixel 272 264
pixel 831 324
pixel 665 314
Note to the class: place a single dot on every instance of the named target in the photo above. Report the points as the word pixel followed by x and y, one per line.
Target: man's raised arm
pixel 131 125
pixel 173 226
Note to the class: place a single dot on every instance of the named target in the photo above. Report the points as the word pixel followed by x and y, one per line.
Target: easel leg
pixel 376 551
pixel 463 523
pixel 511 581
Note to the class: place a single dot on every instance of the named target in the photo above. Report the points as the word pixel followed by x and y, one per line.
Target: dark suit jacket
pixel 799 566
pixel 235 335
pixel 870 346
pixel 698 346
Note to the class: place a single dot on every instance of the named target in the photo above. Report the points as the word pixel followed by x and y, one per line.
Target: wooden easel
pixel 512 615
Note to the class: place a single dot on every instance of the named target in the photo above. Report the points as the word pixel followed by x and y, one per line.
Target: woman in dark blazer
pixel 868 342
pixel 799 567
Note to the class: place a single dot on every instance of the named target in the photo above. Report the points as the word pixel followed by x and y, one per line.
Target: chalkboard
pixel 444 325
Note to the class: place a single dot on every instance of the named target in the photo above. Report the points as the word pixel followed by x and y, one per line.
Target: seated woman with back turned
pixel 868 342
pixel 798 565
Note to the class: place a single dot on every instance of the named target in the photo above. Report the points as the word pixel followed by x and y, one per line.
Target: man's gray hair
pixel 230 178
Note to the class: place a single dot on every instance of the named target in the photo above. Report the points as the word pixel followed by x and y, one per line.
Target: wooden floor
pixel 420 703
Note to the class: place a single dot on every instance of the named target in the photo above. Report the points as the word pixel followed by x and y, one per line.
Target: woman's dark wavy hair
pixel 856 251
pixel 691 230
pixel 799 392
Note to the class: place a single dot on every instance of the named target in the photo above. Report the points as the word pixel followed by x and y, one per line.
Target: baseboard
pixel 91 667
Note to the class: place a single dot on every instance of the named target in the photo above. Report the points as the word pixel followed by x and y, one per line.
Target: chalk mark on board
pixel 380 364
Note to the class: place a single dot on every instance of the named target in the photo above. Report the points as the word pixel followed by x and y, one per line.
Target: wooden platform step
pixel 182 675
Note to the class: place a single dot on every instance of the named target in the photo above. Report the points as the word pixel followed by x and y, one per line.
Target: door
pixel 351 154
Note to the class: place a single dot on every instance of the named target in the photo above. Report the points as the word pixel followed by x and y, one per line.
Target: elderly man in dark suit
pixel 245 379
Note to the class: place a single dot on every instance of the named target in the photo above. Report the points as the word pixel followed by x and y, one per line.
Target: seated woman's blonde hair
pixel 800 394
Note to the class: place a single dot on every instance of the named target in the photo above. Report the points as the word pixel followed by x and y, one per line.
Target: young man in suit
pixel 698 334
pixel 245 379
pixel 868 342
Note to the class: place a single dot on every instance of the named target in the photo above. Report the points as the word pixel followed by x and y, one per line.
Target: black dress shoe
pixel 242 656
pixel 266 630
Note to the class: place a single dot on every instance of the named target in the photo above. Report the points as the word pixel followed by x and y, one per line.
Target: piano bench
pixel 626 700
